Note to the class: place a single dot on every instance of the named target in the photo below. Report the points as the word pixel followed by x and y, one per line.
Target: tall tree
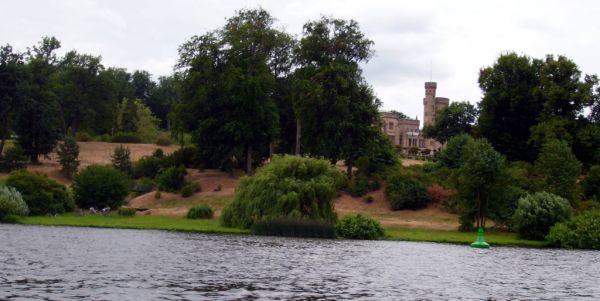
pixel 142 84
pixel 457 118
pixel 11 77
pixel 336 110
pixel 163 97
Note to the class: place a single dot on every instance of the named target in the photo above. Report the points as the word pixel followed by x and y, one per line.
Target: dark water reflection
pixel 60 263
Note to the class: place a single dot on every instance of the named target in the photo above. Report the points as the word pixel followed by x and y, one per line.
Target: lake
pixel 64 263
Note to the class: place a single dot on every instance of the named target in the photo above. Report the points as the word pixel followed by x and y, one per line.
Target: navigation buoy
pixel 480 241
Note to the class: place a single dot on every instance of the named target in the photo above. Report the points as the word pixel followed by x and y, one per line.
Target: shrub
pixel 121 159
pixel 591 184
pixel 157 194
pixel 200 211
pixel 125 137
pixel 358 186
pixel 440 195
pixel 171 179
pixel 583 232
pixel 537 213
pixel 83 137
pixel 147 166
pixel 290 187
pixel 11 204
pixel 164 140
pixel 124 211
pixel 100 186
pixel 42 195
pixel 158 153
pixel 186 156
pixel 291 227
pixel 369 199
pixel 359 227
pixel 405 192
pixel 143 185
pixel 68 151
pixel 189 189
pixel 12 159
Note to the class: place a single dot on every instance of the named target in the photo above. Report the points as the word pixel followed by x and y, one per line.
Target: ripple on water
pixel 62 263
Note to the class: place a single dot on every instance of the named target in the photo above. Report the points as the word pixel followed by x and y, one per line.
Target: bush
pixel 591 184
pixel 200 211
pixel 121 159
pixel 440 195
pixel 41 194
pixel 157 194
pixel 359 227
pixel 189 189
pixel 147 166
pixel 12 159
pixel 290 227
pixel 164 140
pixel 537 213
pixel 158 153
pixel 405 192
pixel 358 186
pixel 123 211
pixel 125 137
pixel 290 187
pixel 171 179
pixel 83 137
pixel 11 204
pixel 369 199
pixel 143 185
pixel 583 232
pixel 68 151
pixel 186 156
pixel 100 186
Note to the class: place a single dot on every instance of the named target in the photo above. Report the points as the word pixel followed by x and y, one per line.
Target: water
pixel 62 263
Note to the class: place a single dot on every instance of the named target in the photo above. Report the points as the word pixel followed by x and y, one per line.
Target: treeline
pixel 45 97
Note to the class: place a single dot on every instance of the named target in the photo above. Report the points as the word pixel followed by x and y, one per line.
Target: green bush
pixel 12 159
pixel 42 195
pixel 163 140
pixel 358 186
pixel 83 137
pixel 369 199
pixel 125 137
pixel 147 167
pixel 186 156
pixel 189 189
pixel 100 186
pixel 290 187
pixel 200 211
pixel 121 159
pixel 591 184
pixel 143 185
pixel 582 232
pixel 289 227
pixel 405 192
pixel 171 179
pixel 359 227
pixel 537 213
pixel 158 153
pixel 11 204
pixel 128 212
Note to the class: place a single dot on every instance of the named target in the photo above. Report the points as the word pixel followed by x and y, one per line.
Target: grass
pixel 215 202
pixel 456 237
pixel 137 222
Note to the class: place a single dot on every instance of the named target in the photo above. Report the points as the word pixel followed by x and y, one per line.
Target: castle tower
pixel 429 107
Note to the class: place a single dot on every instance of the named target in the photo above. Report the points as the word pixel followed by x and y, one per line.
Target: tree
pixel 121 159
pixel 11 76
pixel 481 184
pixel 452 156
pixel 129 118
pixel 331 99
pixel 142 85
pixel 457 118
pixel 559 170
pixel 133 116
pixel 163 97
pixel 68 151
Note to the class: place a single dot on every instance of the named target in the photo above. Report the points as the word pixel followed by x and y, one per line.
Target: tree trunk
pixel 298 134
pixel 248 159
pixel 349 164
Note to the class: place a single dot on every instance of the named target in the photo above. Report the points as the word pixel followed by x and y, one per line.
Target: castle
pixel 406 132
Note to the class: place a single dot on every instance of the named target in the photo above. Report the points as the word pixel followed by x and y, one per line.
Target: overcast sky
pixel 451 40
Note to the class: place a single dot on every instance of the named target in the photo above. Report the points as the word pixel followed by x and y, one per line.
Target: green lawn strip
pixel 456 237
pixel 137 222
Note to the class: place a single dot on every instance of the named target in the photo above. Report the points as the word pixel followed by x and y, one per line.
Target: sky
pixel 415 41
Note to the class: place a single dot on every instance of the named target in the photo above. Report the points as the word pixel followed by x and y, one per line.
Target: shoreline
pixel 212 226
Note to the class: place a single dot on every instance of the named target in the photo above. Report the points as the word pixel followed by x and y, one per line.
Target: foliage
pixel 186 156
pixel 591 183
pixel 147 166
pixel 405 192
pixel 12 73
pixel 121 159
pixel 378 157
pixel 12 159
pixel 290 227
pixel 437 194
pixel 457 118
pixel 136 118
pixel 171 178
pixel 11 203
pixel 537 213
pixel 481 184
pixel 189 189
pixel 452 155
pixel 128 212
pixel 360 185
pixel 200 211
pixel 290 187
pixel 100 186
pixel 83 137
pixel 125 137
pixel 582 232
pixel 68 152
pixel 42 195
pixel 163 140
pixel 143 185
pixel 359 227
pixel 559 169
pixel 369 199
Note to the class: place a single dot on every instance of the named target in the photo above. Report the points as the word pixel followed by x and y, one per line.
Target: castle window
pixel 391 125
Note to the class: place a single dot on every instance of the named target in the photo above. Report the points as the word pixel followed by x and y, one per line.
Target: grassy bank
pixel 138 222
pixel 213 226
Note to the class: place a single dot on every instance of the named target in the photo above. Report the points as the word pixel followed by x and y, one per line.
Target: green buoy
pixel 480 241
